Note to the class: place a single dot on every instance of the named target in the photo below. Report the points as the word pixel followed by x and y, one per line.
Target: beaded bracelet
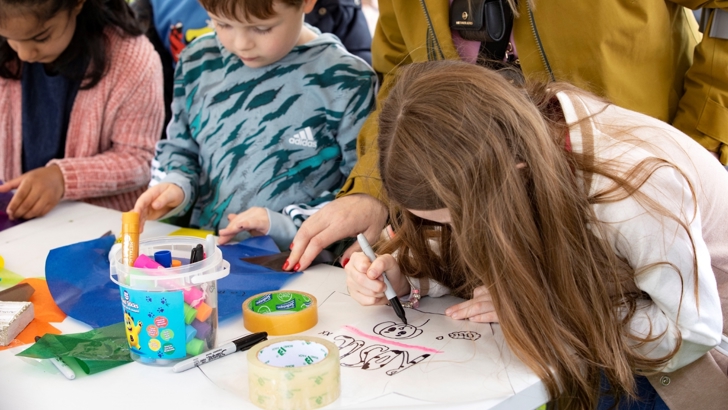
pixel 414 299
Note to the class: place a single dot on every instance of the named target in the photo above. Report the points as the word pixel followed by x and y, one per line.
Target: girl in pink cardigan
pixel 81 104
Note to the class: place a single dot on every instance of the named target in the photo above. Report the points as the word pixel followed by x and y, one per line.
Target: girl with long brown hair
pixel 593 234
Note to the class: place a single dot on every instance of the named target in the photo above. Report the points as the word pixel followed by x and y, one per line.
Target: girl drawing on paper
pixel 587 230
pixel 81 104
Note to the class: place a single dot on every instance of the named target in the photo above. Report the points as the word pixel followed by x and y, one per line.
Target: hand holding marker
pixel 389 292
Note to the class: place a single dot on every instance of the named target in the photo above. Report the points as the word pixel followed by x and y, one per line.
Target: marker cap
pixel 189 313
pixel 203 329
pixel 195 347
pixel 190 333
pixel 163 258
pixel 203 311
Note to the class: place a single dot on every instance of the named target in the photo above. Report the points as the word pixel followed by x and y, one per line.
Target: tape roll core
pixel 280 313
pixel 295 372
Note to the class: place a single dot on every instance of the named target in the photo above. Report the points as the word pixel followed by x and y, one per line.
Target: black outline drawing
pixel 398 331
pixel 375 357
pixel 464 335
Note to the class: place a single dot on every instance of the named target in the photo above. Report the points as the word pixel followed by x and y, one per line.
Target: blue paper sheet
pixel 78 278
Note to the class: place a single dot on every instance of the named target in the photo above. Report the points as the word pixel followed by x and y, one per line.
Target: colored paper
pixel 46 312
pixel 8 278
pixel 5 221
pixel 199 233
pixel 93 351
pixel 78 276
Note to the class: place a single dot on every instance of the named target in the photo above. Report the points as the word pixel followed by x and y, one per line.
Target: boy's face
pixel 262 42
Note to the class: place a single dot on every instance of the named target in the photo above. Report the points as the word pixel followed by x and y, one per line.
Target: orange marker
pixel 129 237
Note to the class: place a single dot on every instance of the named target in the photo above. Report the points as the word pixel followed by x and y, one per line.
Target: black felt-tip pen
pixel 238 345
pixel 389 292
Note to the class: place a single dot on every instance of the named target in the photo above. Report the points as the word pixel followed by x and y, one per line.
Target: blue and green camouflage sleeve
pixel 176 158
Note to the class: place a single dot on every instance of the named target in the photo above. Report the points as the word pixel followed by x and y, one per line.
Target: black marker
pixel 197 253
pixel 389 292
pixel 239 345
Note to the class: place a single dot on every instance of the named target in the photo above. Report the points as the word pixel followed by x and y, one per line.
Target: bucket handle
pixel 196 280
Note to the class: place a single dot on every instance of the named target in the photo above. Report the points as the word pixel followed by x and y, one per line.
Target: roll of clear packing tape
pixel 280 313
pixel 294 372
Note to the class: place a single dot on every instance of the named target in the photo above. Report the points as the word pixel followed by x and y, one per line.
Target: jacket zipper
pixel 538 42
pixel 432 37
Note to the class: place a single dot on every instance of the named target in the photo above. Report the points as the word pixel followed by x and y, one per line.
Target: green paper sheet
pixel 93 351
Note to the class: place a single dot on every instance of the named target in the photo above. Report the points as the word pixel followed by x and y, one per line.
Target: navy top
pixel 46 111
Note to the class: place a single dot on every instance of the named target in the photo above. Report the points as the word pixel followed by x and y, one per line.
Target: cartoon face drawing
pixel 132 331
pixel 392 330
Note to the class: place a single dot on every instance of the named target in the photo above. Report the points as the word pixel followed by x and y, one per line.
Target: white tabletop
pixel 30 384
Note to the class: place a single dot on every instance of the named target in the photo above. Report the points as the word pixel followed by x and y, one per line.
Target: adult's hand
pixel 478 309
pixel 364 279
pixel 342 218
pixel 37 192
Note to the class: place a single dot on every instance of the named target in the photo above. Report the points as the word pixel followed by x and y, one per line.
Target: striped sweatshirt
pixel 271 136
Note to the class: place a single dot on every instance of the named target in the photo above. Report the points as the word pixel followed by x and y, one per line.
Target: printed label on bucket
pixel 154 323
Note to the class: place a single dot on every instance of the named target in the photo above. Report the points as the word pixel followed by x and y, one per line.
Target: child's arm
pixel 134 127
pixel 682 301
pixel 176 160
pixel 158 201
pixel 37 192
pixel 281 226
pixel 255 220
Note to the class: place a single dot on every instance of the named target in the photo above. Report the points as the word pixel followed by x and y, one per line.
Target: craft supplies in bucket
pixel 294 372
pixel 170 313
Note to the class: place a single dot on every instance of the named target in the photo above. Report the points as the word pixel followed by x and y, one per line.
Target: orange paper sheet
pixel 46 312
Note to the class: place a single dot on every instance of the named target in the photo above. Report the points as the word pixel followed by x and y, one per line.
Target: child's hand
pixel 254 220
pixel 364 278
pixel 478 309
pixel 38 191
pixel 157 201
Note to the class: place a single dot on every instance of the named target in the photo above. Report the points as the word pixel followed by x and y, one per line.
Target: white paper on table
pixel 434 358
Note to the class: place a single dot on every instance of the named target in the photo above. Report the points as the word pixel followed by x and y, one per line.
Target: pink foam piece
pixel 193 296
pixel 145 262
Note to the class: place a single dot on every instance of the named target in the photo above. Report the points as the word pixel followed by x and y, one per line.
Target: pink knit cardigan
pixel 111 132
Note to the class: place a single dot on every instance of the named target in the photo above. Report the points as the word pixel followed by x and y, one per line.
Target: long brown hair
pixel 457 136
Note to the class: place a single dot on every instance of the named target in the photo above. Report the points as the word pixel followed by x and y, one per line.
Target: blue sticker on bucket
pixel 154 323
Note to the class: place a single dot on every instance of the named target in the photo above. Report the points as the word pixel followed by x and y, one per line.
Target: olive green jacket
pixel 636 56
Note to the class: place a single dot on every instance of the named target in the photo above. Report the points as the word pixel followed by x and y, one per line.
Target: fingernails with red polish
pixel 344 262
pixel 297 267
pixel 290 246
pixel 285 265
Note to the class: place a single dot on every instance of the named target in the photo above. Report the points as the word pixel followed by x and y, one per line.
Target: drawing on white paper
pixel 464 335
pixel 430 361
pixel 392 330
pixel 374 357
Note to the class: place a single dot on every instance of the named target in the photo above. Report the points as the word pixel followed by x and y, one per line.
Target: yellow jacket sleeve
pixel 388 52
pixel 702 111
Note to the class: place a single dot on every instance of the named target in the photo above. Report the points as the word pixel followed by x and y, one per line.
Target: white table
pixel 30 384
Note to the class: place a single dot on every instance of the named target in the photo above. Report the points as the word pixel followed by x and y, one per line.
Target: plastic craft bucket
pixel 169 314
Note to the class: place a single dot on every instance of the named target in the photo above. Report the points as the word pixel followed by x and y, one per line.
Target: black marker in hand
pixel 389 292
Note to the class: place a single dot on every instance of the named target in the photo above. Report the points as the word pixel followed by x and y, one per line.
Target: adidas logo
pixel 303 138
